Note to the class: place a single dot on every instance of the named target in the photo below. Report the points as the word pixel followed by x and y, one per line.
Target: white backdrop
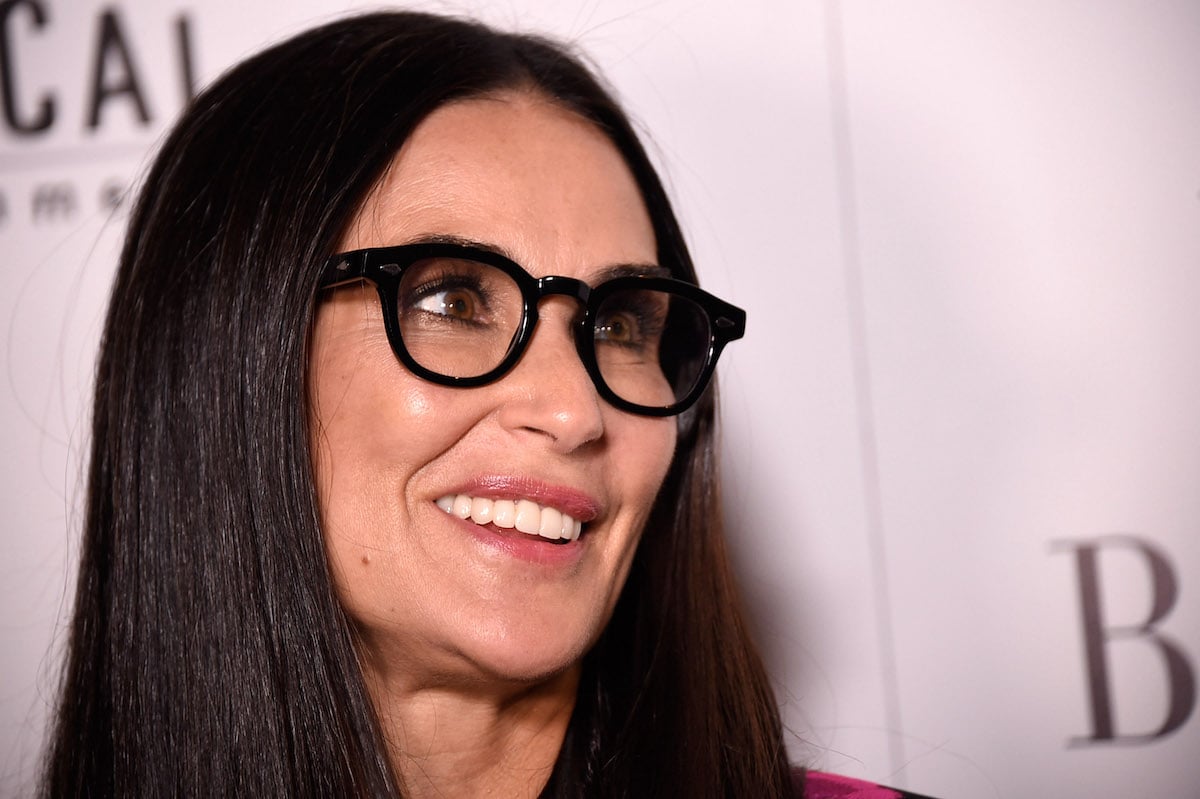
pixel 968 239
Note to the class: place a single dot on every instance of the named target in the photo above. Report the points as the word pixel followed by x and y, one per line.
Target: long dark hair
pixel 208 654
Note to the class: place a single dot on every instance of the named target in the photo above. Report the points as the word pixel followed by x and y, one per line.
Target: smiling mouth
pixel 523 515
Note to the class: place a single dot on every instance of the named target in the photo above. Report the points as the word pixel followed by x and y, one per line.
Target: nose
pixel 549 392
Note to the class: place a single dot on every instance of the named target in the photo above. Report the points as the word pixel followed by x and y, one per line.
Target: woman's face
pixel 438 597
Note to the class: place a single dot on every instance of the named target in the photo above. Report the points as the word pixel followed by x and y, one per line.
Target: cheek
pixel 372 425
pixel 643 457
pixel 374 430
pixel 365 408
pixel 371 437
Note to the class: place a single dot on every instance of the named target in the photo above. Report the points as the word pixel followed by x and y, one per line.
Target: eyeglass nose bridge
pixel 563 286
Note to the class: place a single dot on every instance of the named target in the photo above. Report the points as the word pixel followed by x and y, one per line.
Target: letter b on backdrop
pixel 1099 636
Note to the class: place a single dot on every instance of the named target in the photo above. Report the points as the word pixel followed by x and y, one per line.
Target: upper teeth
pixel 523 514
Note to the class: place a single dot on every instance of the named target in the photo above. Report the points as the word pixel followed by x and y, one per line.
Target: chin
pixel 528 656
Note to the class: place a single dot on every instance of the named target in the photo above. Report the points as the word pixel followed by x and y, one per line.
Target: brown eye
pixel 453 303
pixel 459 304
pixel 618 328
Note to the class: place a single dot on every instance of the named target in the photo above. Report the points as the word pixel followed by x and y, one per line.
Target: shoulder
pixel 819 785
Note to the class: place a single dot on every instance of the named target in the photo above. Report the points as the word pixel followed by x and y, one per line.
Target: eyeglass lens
pixel 460 318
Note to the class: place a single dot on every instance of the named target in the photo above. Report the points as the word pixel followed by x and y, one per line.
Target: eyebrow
pixel 603 274
pixel 632 270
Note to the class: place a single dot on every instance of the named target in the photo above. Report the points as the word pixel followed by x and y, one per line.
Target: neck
pixel 474 740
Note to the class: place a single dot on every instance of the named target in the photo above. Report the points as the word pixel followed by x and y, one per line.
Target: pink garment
pixel 818 785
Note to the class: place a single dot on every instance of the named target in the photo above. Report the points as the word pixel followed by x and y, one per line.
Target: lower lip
pixel 529 548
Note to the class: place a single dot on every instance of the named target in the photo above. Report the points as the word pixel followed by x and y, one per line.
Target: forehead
pixel 516 171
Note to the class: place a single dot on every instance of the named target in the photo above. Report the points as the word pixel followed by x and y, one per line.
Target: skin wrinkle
pixel 471 657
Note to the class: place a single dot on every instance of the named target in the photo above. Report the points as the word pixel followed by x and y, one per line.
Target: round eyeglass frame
pixel 384 267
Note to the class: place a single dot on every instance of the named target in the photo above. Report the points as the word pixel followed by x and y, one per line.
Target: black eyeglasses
pixel 462 316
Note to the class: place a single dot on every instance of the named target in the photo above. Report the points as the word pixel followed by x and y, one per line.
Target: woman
pixel 402 478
